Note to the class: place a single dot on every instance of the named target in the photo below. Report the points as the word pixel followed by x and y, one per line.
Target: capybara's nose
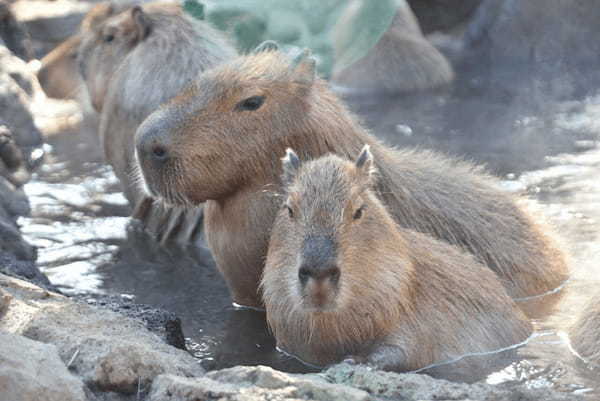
pixel 331 272
pixel 152 144
pixel 318 259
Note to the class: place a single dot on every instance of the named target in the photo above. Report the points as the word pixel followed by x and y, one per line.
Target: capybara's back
pixel 585 333
pixel 402 60
pixel 343 279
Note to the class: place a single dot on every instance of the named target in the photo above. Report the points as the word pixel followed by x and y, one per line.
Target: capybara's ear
pixel 304 68
pixel 266 46
pixel 291 164
pixel 364 166
pixel 141 23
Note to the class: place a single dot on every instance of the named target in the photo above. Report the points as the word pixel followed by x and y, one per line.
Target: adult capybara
pixel 402 60
pixel 342 278
pixel 59 73
pixel 132 62
pixel 585 333
pixel 218 142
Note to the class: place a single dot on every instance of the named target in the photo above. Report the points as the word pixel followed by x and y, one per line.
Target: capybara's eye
pixel 108 38
pixel 290 211
pixel 359 212
pixel 250 104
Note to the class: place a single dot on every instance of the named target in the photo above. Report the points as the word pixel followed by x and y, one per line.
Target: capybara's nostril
pixel 333 273
pixel 159 152
pixel 304 274
pixel 330 272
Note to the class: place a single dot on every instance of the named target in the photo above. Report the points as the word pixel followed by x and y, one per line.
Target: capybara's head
pixel 105 42
pixel 58 74
pixel 223 131
pixel 323 233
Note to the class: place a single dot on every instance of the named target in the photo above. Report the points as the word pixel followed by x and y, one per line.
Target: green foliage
pixel 304 23
pixel 194 8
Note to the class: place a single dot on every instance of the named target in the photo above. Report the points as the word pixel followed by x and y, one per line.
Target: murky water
pixel 87 245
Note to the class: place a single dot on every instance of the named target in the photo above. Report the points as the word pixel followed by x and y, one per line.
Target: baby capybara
pixel 131 62
pixel 218 142
pixel 343 279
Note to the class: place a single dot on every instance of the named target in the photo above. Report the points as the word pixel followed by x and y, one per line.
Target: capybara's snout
pixel 318 260
pixel 152 144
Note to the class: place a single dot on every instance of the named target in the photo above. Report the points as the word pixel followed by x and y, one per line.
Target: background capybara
pixel 260 104
pixel 59 73
pixel 131 63
pixel 341 278
pixel 402 60
pixel 585 333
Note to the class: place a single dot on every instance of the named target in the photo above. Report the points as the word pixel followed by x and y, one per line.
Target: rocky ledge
pixel 57 348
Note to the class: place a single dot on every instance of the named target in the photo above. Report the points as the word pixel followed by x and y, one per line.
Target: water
pixel 552 154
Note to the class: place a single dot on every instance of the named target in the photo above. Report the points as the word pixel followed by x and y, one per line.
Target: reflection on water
pixel 87 244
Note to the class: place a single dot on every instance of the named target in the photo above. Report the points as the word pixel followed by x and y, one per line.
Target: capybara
pixel 58 74
pixel 585 333
pixel 402 60
pixel 132 62
pixel 218 142
pixel 342 278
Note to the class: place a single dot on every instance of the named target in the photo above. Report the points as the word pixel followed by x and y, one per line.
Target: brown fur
pixel 402 60
pixel 585 334
pixel 58 74
pixel 229 158
pixel 131 63
pixel 402 301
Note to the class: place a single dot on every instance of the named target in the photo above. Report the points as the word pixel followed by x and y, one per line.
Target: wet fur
pixel 405 300
pixel 585 333
pixel 239 175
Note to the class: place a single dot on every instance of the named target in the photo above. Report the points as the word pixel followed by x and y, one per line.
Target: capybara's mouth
pixel 319 302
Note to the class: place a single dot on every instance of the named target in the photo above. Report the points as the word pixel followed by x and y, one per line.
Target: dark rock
pixel 13 33
pixel 24 270
pixel 544 45
pixel 159 321
pixel 15 114
pixel 442 15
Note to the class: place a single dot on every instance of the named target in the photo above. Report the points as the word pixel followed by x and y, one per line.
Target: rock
pixel 15 114
pixel 109 352
pixel 52 21
pixel 340 382
pixel 12 162
pixel 13 33
pixel 159 321
pixel 33 371
pixel 13 200
pixel 24 270
pixel 411 386
pixel 251 383
pixel 535 44
pixel 11 241
pixel 18 70
pixel 442 15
